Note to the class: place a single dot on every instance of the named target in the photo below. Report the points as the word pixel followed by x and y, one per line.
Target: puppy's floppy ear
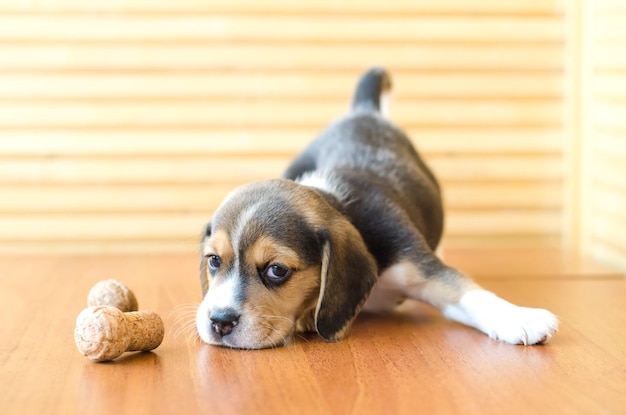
pixel 204 277
pixel 348 274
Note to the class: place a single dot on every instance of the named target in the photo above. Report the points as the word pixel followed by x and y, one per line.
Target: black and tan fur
pixel 357 210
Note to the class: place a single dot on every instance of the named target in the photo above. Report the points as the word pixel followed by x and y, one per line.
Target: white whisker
pixel 275 330
pixel 297 335
pixel 184 322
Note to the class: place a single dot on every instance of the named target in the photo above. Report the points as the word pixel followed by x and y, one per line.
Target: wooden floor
pixel 414 362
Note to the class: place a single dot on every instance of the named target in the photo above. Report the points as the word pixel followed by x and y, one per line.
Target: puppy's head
pixel 277 259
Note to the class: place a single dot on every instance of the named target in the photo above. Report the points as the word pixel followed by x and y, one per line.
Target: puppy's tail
pixel 372 91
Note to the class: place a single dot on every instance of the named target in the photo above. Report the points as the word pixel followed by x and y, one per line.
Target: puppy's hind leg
pixel 462 300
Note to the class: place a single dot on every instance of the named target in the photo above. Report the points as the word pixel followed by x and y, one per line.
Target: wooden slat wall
pixel 123 123
pixel 605 195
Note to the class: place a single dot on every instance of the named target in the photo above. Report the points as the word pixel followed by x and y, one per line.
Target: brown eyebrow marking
pixel 266 249
pixel 219 244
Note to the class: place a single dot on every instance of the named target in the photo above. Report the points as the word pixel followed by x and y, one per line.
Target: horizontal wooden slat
pixel 253 84
pixel 542 194
pixel 268 56
pixel 201 198
pixel 237 113
pixel 259 142
pixel 519 222
pixel 99 247
pixel 288 6
pixel 493 140
pixel 162 170
pixel 190 244
pixel 159 198
pixel 25 227
pixel 498 168
pixel 206 169
pixel 276 28
pixel 101 227
pixel 159 141
pixel 498 241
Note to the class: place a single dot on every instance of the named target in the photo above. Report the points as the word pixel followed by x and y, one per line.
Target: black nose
pixel 224 321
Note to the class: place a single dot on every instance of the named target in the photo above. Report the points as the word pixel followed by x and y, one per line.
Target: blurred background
pixel 124 123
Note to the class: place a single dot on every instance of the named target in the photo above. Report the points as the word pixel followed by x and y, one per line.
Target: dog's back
pixel 379 171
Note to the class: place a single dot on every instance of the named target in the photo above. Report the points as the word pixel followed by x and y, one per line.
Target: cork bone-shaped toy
pixel 104 331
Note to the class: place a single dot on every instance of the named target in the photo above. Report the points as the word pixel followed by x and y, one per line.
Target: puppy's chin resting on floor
pixel 354 222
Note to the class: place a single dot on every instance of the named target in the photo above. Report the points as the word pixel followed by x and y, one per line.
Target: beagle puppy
pixel 354 224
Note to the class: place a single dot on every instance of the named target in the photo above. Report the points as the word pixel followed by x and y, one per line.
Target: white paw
pixel 522 326
pixel 502 320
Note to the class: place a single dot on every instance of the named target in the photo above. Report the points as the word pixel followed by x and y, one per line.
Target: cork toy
pixel 112 293
pixel 105 333
pixel 111 325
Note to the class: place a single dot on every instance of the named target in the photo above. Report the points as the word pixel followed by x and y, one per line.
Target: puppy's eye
pixel 277 273
pixel 214 262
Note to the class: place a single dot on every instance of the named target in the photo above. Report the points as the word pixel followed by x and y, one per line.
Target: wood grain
pixel 354 57
pixel 260 141
pixel 526 7
pixel 193 198
pixel 403 363
pixel 233 113
pixel 304 28
pixel 286 84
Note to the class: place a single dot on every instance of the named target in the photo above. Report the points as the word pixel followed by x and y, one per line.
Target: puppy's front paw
pixel 521 325
pixel 502 320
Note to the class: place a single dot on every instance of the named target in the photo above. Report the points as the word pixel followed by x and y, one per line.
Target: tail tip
pixel 381 73
pixel 374 83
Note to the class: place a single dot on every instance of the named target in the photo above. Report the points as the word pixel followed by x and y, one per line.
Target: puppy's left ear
pixel 204 277
pixel 348 275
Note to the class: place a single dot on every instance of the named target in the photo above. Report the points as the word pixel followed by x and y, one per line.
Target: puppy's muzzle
pixel 223 321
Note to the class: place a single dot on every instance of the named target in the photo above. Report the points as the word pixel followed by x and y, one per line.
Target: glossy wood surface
pixel 409 362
